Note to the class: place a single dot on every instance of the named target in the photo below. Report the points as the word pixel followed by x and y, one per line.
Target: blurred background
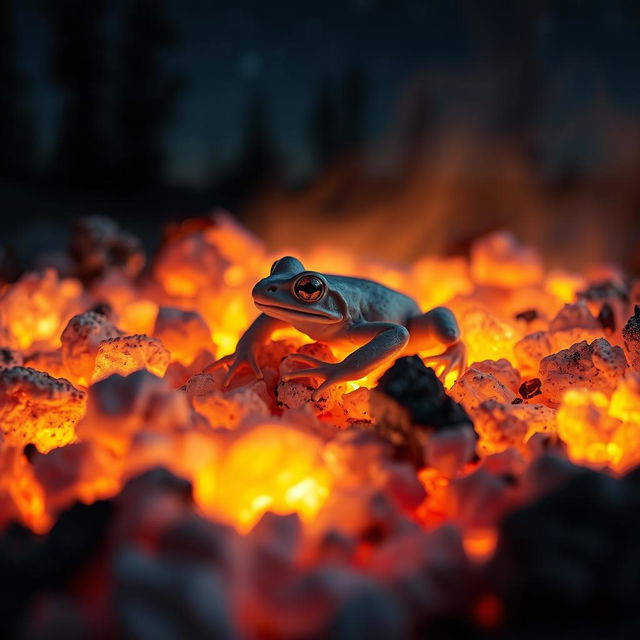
pixel 392 127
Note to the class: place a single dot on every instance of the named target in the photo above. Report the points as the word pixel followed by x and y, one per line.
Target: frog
pixel 375 322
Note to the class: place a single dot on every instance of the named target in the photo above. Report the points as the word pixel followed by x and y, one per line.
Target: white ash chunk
pixel 574 316
pixel 573 323
pixel 480 500
pixel 229 410
pixel 352 453
pixel 530 350
pixel 498 428
pixel 597 366
pixel 448 451
pixel 37 408
pixel 501 426
pixel 474 387
pixel 298 393
pixel 119 407
pixel 124 355
pixel 184 333
pixel 501 370
pixel 81 340
pixel 357 405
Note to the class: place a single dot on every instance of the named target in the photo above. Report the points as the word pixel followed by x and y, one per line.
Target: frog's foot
pixel 237 361
pixel 331 373
pixel 452 359
pixel 303 358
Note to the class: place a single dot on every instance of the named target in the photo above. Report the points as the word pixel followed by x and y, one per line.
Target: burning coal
pixel 140 497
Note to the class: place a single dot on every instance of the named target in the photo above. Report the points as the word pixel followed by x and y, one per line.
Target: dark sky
pixel 582 56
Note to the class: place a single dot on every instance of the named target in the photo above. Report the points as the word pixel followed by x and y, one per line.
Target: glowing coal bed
pixel 140 498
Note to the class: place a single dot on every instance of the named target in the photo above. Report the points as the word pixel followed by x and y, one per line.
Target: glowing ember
pixel 108 375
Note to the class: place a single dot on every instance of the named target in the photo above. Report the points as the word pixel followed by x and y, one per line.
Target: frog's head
pixel 292 294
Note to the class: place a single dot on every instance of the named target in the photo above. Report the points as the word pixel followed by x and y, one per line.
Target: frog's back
pixel 374 302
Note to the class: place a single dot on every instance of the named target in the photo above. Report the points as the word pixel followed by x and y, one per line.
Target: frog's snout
pixel 263 290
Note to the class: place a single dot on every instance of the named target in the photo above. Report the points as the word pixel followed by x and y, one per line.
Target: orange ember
pixel 108 376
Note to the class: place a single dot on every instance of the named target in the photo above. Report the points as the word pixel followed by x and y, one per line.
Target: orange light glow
pixel 125 387
pixel 269 468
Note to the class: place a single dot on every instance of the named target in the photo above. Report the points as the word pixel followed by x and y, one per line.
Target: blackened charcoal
pixel 30 451
pixel 102 308
pixel 10 358
pixel 157 479
pixel 631 337
pixel 18 547
pixel 607 317
pixel 606 290
pixel 73 541
pixel 407 396
pixel 98 245
pixel 529 315
pixel 158 598
pixel 530 388
pixel 571 558
pixel 29 564
pixel 417 388
pixel 198 540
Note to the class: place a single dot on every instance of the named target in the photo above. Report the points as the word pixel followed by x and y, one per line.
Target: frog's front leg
pixel 245 354
pixel 382 341
pixel 436 329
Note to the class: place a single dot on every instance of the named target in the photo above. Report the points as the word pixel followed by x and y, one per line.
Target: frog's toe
pixel 313 372
pixel 452 359
pixel 303 358
pixel 222 362
pixel 238 362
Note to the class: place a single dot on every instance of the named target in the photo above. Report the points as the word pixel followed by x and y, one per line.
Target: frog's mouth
pixel 283 312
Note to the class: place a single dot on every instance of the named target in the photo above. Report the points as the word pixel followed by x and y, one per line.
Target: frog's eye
pixel 309 288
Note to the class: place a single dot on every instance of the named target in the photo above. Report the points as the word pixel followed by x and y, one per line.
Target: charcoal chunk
pixel 409 404
pixel 417 388
pixel 605 290
pixel 631 337
pixel 98 245
pixel 29 564
pixel 160 480
pixel 529 315
pixel 607 317
pixel 530 388
pixel 571 559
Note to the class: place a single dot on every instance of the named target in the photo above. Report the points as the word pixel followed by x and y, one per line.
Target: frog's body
pixel 338 310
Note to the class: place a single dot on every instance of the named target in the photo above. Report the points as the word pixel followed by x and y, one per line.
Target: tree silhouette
pixel 81 157
pixel 147 94
pixel 16 132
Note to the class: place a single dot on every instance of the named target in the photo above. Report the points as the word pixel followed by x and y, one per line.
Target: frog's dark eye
pixel 309 288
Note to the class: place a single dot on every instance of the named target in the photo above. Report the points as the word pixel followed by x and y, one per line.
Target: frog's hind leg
pixel 435 331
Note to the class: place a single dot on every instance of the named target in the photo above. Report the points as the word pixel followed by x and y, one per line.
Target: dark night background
pixel 394 127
